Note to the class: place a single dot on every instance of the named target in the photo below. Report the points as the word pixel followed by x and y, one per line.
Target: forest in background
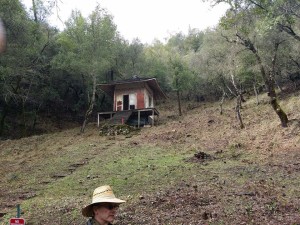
pixel 49 76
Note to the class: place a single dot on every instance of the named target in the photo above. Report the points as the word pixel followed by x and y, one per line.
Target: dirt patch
pixel 200 157
pixel 197 204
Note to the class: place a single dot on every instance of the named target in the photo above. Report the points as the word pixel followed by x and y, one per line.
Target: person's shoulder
pixel 89 222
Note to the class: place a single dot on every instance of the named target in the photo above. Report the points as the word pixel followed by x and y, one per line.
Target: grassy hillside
pixel 200 168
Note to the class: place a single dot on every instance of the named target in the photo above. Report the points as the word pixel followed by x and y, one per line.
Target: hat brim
pixel 88 210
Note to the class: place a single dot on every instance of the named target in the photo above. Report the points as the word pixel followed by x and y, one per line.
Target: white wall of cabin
pixel 148 94
pixel 132 90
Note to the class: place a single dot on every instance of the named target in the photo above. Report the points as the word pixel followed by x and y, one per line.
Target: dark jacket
pixel 91 221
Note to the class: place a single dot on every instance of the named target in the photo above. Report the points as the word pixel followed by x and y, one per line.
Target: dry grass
pixel 252 176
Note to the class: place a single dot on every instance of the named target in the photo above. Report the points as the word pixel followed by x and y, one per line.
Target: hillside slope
pixel 200 168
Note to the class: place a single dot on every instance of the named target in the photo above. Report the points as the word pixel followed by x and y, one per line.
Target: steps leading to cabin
pixel 120 117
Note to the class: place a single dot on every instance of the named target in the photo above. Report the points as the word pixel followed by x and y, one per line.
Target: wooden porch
pixel 134 117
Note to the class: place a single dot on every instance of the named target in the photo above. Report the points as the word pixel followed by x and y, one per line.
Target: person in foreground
pixel 104 206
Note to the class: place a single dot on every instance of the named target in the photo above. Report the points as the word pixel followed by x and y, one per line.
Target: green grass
pixel 130 171
pixel 146 167
pixel 137 166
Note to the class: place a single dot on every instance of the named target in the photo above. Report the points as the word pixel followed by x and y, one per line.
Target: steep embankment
pixel 196 169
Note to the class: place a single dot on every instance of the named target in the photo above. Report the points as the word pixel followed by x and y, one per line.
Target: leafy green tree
pixel 182 78
pixel 86 47
pixel 121 66
pixel 211 68
pixel 42 10
pixel 242 22
pixel 177 42
pixel 21 64
pixel 156 64
pixel 283 15
pixel 194 39
pixel 135 52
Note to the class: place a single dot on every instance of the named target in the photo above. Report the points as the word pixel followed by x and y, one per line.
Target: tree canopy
pixel 47 73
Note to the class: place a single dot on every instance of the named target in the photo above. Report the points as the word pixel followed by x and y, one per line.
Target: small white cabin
pixel 136 96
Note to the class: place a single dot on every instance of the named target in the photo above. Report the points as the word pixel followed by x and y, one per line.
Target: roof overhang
pixel 151 82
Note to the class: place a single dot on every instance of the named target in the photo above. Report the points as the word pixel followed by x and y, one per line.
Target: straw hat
pixel 100 195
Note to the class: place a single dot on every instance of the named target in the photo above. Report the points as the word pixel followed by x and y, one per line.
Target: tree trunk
pixel 282 115
pixel 35 117
pixel 91 105
pixel 238 110
pixel 278 85
pixel 239 99
pixel 256 93
pixel 23 124
pixel 273 98
pixel 230 90
pixel 221 103
pixel 288 29
pixel 269 80
pixel 179 103
pixel 2 118
pixel 275 105
pixel 178 98
pixel 34 11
